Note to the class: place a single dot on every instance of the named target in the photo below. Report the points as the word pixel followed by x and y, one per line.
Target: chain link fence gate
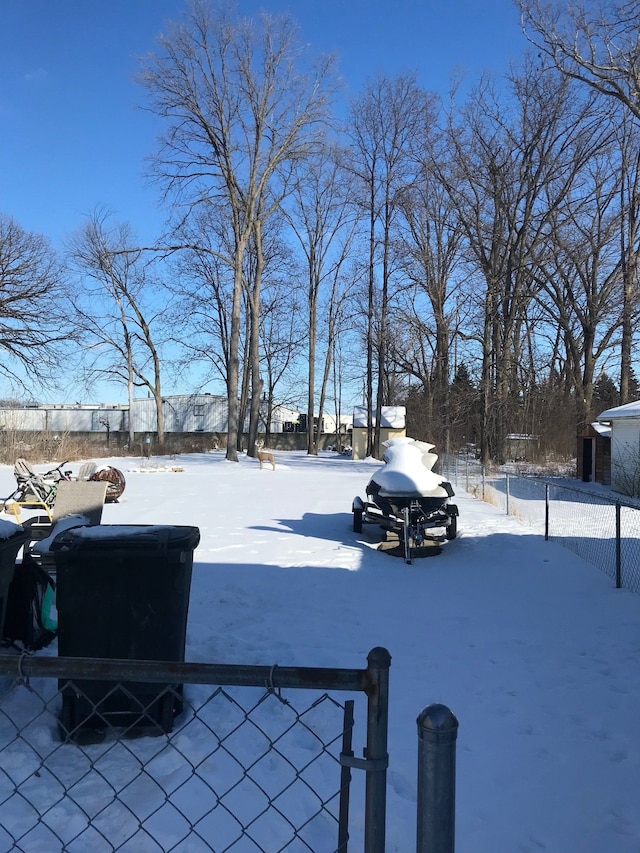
pixel 239 769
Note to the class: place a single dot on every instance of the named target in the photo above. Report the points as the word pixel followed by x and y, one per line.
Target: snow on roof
pixel 629 410
pixel 392 417
pixel 602 429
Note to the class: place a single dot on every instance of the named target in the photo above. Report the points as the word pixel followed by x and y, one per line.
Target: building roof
pixel 602 429
pixel 629 410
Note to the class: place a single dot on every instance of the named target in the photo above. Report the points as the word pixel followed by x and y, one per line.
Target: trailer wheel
pixel 452 528
pixel 357 521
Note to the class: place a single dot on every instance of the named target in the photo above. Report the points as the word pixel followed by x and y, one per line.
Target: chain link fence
pixel 602 530
pixel 241 768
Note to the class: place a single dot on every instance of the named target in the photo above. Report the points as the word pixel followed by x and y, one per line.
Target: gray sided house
pixel 625 447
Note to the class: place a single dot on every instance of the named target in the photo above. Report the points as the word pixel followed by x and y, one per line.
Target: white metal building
pixel 625 447
pixel 183 413
pixel 65 418
pixel 196 413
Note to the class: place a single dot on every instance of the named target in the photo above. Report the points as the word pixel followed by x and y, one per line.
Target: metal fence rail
pixel 602 530
pixel 242 769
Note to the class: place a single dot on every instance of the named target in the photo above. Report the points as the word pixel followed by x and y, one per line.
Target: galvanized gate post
pixel 437 733
pixel 345 779
pixel 376 757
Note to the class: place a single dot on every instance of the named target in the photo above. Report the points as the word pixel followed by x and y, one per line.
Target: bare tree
pixel 627 135
pixel 429 255
pixel 598 46
pixel 282 338
pixel 579 271
pixel 322 218
pixel 388 124
pixel 513 161
pixel 115 310
pixel 594 43
pixel 33 326
pixel 241 111
pixel 203 286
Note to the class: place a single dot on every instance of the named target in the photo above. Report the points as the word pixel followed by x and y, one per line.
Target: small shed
pixel 624 422
pixel 392 425
pixel 520 447
pixel 593 454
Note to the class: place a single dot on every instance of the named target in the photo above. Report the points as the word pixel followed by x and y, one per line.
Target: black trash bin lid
pixel 134 537
pixel 11 532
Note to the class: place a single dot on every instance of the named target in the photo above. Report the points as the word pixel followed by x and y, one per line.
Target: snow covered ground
pixel 531 647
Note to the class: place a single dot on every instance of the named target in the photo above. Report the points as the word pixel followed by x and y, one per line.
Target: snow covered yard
pixel 532 648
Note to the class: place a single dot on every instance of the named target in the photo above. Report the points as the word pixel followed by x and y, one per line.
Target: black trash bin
pixel 12 538
pixel 122 592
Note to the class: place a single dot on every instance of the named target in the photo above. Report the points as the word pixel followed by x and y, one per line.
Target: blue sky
pixel 73 136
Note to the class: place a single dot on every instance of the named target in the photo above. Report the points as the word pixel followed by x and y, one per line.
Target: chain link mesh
pixel 582 521
pixel 242 770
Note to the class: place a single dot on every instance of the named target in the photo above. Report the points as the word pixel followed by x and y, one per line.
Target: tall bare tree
pixel 283 336
pixel 514 159
pixel 627 136
pixel 322 218
pixel 203 286
pixel 388 124
pixel 429 256
pixel 33 328
pixel 580 272
pixel 594 43
pixel 241 111
pixel 117 310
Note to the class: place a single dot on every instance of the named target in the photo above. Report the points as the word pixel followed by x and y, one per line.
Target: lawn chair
pixel 87 470
pixel 78 503
pixel 84 497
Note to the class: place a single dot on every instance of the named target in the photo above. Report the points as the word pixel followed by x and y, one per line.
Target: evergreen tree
pixel 464 408
pixel 605 394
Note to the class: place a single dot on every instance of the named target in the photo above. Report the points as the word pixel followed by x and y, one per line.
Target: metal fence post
pixel 546 512
pixel 437 733
pixel 618 546
pixel 507 491
pixel 377 758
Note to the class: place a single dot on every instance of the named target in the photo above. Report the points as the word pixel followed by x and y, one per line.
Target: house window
pixel 198 410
